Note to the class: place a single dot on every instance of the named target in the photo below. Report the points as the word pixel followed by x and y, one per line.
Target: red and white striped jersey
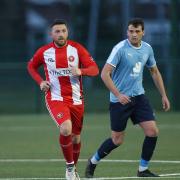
pixel 57 66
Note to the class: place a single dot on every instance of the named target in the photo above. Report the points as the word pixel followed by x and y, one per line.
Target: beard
pixel 61 42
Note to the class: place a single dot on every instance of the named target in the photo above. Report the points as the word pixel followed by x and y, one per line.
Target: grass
pixel 36 137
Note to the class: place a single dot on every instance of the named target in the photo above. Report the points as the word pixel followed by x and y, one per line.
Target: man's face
pixel 59 34
pixel 135 35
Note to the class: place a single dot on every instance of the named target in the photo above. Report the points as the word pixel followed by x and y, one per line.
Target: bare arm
pixel 158 81
pixel 106 77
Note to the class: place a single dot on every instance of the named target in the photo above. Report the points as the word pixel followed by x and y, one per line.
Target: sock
pixel 143 165
pixel 70 167
pixel 67 148
pixel 147 152
pixel 95 159
pixel 148 147
pixel 76 152
pixel 106 147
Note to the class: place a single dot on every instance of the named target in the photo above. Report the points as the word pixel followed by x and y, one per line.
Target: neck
pixel 59 45
pixel 135 44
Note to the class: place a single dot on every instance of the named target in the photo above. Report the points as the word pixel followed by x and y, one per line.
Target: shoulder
pixel 146 45
pixel 120 45
pixel 74 44
pixel 44 48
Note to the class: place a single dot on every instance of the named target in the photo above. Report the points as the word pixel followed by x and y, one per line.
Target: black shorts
pixel 139 110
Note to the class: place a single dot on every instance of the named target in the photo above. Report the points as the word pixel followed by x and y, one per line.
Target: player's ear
pixel 143 33
pixel 127 32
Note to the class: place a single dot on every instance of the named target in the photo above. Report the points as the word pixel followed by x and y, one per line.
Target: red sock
pixel 76 152
pixel 67 147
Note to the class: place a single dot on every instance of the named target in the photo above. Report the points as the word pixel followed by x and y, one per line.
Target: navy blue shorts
pixel 139 110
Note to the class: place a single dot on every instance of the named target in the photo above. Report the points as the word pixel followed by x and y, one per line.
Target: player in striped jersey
pixel 65 62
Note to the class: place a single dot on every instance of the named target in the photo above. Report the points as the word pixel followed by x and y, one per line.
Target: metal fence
pixel 20 94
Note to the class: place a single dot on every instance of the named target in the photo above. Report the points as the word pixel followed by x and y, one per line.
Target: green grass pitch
pixel 35 137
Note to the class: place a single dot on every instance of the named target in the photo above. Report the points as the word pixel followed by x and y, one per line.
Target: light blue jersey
pixel 128 62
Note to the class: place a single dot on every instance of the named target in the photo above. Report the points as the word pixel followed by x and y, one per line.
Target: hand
pixel 45 86
pixel 76 71
pixel 165 103
pixel 123 99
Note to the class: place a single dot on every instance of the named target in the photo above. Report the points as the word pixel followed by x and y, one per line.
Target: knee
pixel 65 131
pixel 117 140
pixel 66 128
pixel 76 139
pixel 152 132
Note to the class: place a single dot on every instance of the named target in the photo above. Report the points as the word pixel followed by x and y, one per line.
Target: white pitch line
pixel 134 161
pixel 85 160
pixel 174 174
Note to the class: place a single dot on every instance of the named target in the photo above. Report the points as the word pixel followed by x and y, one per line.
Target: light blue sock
pixel 143 165
pixel 95 159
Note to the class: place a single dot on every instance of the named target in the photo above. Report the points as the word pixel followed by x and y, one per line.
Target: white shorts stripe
pixel 51 114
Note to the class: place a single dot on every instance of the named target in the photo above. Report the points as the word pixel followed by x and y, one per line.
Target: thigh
pixel 142 110
pixel 77 114
pixel 119 115
pixel 59 111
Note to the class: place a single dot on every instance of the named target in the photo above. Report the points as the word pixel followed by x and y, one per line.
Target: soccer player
pixel 123 75
pixel 65 62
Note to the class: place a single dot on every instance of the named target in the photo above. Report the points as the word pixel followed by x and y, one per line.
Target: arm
pixel 89 66
pixel 92 70
pixel 33 66
pixel 157 78
pixel 88 71
pixel 33 71
pixel 106 77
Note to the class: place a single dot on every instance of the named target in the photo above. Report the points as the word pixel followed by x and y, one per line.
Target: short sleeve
pixel 151 60
pixel 84 56
pixel 37 59
pixel 114 57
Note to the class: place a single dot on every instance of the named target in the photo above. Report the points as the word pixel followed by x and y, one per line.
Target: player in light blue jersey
pixel 123 76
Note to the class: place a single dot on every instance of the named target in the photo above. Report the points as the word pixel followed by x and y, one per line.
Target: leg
pixel 119 115
pixel 151 133
pixel 65 140
pixel 76 139
pixel 106 147
pixel 76 151
pixel 77 112
pixel 61 115
pixel 144 116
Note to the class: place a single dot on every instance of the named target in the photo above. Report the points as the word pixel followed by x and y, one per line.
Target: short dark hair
pixel 58 21
pixel 136 22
